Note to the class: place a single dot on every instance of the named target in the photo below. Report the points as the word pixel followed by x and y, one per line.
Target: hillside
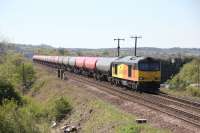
pixel 163 53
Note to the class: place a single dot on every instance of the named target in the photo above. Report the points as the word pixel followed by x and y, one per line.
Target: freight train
pixel 138 73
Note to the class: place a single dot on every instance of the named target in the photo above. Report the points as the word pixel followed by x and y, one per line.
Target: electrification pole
pixel 135 37
pixel 118 47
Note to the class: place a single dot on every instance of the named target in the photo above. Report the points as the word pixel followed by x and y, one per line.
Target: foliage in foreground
pixel 59 108
pixel 15 119
pixel 7 92
pixel 31 117
pixel 17 113
pixel 13 76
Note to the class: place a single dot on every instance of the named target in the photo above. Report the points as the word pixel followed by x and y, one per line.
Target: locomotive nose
pixel 149 76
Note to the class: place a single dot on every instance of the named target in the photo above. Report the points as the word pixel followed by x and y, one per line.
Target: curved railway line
pixel 179 108
pixel 185 110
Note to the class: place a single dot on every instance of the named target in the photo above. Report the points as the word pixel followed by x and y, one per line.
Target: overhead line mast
pixel 136 37
pixel 118 47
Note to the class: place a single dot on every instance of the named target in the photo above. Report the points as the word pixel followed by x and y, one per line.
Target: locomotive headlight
pixel 141 78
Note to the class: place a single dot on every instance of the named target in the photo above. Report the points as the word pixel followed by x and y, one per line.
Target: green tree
pixel 7 92
pixel 26 74
pixel 16 119
pixel 187 75
pixel 14 71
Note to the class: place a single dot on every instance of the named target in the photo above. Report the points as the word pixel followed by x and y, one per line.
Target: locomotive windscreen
pixel 149 66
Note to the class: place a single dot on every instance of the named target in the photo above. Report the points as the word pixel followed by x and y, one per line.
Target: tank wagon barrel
pixel 90 63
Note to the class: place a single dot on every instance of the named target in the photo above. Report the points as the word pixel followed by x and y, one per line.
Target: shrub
pixel 26 70
pixel 194 91
pixel 13 70
pixel 14 119
pixel 7 92
pixel 187 75
pixel 61 108
pixel 130 129
pixel 36 109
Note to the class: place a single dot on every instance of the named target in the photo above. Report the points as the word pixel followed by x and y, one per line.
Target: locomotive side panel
pixel 124 71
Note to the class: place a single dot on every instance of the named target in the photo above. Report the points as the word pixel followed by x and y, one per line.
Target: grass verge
pixel 89 112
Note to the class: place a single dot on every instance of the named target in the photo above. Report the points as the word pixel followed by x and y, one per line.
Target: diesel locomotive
pixel 138 73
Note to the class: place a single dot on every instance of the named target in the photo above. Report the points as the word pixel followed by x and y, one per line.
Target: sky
pixel 95 23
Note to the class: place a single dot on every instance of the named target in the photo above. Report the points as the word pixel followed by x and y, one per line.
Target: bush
pixel 36 109
pixel 16 120
pixel 13 70
pixel 28 73
pixel 194 91
pixel 130 129
pixel 7 92
pixel 61 108
pixel 187 75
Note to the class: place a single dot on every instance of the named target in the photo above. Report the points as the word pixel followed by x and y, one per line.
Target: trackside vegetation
pixel 187 79
pixel 7 92
pixel 19 113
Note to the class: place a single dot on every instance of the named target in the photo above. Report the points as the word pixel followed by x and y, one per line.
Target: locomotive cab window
pixel 115 68
pixel 149 66
pixel 129 70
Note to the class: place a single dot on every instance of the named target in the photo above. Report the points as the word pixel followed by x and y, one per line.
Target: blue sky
pixel 95 23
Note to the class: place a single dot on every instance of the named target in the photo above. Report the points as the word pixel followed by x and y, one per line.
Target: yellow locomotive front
pixel 149 74
pixel 149 71
pixel 141 73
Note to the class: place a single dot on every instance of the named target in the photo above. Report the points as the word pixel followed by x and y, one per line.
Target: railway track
pixel 181 103
pixel 177 108
pixel 186 101
pixel 182 109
